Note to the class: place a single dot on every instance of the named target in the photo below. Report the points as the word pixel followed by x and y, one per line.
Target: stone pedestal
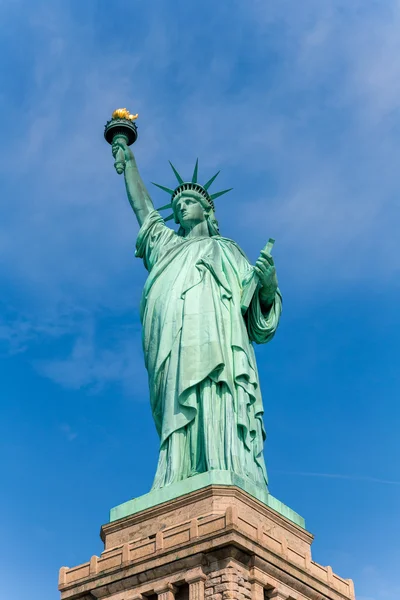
pixel 215 543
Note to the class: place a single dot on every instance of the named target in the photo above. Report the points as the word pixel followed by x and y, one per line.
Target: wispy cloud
pixel 301 113
pixel 68 432
pixel 94 363
pixel 361 478
pixel 336 164
pixel 18 330
pixel 319 125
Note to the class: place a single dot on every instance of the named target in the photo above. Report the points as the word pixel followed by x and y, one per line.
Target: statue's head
pixel 192 204
pixel 189 208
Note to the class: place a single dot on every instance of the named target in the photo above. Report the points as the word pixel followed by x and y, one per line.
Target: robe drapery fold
pixel 204 387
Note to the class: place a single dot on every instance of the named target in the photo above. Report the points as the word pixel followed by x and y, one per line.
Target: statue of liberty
pixel 203 306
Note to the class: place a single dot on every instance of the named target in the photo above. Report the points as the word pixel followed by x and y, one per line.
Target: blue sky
pixel 298 103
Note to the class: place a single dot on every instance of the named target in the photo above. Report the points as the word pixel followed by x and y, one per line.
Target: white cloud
pixel 309 143
pixel 68 432
pixel 336 161
pixel 93 364
pixel 72 233
pixel 361 478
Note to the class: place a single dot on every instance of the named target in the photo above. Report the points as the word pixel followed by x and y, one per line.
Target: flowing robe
pixel 197 340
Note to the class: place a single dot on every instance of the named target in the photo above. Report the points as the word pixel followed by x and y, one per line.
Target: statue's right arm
pixel 138 196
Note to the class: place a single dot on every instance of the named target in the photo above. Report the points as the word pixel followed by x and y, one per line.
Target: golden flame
pixel 123 113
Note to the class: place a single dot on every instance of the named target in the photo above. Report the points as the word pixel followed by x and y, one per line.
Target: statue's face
pixel 189 210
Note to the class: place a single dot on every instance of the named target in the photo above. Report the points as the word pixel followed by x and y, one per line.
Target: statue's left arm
pixel 263 312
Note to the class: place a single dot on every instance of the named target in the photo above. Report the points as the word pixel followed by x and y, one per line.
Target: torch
pixel 121 125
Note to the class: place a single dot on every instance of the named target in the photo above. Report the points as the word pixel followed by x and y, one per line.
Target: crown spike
pixel 196 168
pixel 179 178
pixel 164 207
pixel 209 182
pixel 168 218
pixel 218 194
pixel 162 187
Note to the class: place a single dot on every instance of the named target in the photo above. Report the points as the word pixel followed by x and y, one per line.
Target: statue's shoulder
pixel 232 245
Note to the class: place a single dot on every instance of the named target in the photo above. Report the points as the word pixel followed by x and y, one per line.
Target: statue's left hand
pixel 266 272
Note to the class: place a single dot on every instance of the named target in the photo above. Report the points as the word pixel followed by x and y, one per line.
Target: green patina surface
pixel 203 307
pixel 198 482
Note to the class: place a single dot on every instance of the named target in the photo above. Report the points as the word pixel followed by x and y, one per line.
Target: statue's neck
pixel 198 230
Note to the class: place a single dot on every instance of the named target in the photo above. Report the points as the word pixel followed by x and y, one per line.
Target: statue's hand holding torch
pixel 121 132
pixel 121 153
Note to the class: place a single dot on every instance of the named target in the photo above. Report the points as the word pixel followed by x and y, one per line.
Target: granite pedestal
pixel 213 543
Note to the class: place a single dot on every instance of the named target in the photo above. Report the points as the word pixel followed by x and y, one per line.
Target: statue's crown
pixel 190 185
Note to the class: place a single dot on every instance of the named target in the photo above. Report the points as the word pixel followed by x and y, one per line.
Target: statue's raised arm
pixel 138 196
pixel 121 131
